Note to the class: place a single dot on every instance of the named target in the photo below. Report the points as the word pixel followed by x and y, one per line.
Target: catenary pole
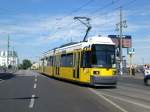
pixel 120 47
pixel 8 45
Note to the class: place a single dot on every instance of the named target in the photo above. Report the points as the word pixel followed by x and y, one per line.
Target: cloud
pixel 144 47
pixel 142 40
pixel 36 31
pixel 3 43
pixel 44 28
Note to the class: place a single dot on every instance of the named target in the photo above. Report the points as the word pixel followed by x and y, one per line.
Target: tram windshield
pixel 103 55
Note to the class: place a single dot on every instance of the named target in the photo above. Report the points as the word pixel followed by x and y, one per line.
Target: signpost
pixel 131 52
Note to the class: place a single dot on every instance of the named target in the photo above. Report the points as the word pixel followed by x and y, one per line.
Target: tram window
pixel 86 59
pixel 45 62
pixel 67 60
pixel 63 60
pixel 99 58
pixel 103 55
pixel 50 61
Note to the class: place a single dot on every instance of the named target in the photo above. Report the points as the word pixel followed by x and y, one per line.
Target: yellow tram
pixel 91 62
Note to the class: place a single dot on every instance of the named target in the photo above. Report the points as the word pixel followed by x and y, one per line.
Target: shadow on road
pixel 19 98
pixel 6 76
pixel 81 84
pixel 104 87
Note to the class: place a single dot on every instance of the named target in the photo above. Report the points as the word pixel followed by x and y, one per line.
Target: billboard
pixel 126 40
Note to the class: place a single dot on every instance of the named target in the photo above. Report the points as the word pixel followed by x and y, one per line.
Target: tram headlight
pixel 114 72
pixel 96 72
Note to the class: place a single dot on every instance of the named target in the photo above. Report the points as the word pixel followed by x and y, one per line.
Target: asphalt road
pixel 131 95
pixel 28 91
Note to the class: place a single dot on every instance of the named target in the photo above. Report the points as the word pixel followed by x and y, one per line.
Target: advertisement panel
pixel 126 40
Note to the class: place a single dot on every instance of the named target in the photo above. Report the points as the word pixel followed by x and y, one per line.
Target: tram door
pixel 76 64
pixel 56 65
pixel 42 67
pixel 44 64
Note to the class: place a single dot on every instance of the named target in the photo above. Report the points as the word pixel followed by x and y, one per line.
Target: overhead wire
pixel 105 6
pixel 129 3
pixel 84 5
pixel 77 10
pixel 101 8
pixel 96 11
pixel 117 8
pixel 74 11
pixel 81 7
pixel 121 6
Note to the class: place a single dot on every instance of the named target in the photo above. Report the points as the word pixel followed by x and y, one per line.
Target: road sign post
pixel 131 52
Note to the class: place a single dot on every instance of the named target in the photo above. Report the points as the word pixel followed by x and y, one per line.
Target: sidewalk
pixel 136 76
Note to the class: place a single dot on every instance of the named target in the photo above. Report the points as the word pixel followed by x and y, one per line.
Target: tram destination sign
pixel 126 40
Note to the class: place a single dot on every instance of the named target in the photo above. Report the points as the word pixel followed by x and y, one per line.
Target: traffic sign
pixel 131 51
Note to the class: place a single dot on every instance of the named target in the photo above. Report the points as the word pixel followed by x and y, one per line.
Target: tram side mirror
pixel 117 53
pixel 113 58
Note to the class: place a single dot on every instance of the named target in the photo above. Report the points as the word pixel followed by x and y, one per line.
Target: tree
pixel 26 64
pixel 20 66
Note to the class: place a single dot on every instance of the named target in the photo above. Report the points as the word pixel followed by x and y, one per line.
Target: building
pixel 35 66
pixel 6 60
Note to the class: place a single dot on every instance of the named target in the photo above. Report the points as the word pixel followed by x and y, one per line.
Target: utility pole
pixel 130 60
pixel 122 24
pixel 13 54
pixel 8 45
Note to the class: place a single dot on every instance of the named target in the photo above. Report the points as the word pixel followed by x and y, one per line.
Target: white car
pixel 147 76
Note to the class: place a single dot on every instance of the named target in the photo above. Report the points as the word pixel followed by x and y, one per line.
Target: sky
pixel 36 26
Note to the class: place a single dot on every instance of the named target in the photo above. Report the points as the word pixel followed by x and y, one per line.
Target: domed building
pixel 6 60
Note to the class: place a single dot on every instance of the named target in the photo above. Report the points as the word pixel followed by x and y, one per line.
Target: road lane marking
pixel 35 80
pixel 106 99
pixel 35 85
pixel 32 101
pixel 128 101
